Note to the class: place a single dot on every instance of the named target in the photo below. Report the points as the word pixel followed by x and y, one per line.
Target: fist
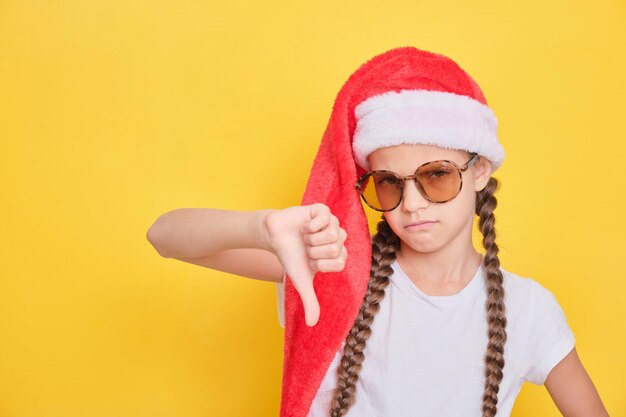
pixel 307 239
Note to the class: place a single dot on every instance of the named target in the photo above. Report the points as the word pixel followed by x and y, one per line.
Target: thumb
pixel 304 285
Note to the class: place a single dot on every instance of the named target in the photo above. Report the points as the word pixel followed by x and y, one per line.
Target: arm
pixel 303 238
pixel 572 390
pixel 226 240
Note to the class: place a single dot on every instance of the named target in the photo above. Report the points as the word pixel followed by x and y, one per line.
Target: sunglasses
pixel 438 181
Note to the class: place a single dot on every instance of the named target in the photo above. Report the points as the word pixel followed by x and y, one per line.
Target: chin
pixel 424 243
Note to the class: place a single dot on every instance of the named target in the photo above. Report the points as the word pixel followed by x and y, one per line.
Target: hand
pixel 306 239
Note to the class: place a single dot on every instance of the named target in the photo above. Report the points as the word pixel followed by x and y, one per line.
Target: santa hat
pixel 404 95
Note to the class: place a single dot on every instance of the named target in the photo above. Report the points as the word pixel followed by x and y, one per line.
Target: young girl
pixel 412 321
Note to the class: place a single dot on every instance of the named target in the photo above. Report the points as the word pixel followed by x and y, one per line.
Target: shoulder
pixel 517 287
pixel 525 293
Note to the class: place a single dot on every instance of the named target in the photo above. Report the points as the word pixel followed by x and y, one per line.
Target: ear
pixel 482 172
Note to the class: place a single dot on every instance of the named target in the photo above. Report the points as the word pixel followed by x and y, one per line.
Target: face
pixel 452 219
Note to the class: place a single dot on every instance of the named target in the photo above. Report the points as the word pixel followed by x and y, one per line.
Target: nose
pixel 412 198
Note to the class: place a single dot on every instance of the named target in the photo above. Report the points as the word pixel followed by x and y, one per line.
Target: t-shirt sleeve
pixel 550 338
pixel 280 298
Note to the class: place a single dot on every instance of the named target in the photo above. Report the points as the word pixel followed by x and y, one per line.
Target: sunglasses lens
pixel 382 190
pixel 439 180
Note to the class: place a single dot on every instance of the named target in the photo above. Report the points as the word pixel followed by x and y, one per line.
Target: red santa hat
pixel 404 95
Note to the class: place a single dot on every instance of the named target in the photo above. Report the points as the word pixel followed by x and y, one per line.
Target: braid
pixel 496 312
pixel 385 243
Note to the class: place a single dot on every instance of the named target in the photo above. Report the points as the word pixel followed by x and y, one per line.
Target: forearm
pixel 196 232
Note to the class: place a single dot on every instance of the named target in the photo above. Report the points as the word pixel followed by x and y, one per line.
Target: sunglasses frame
pixel 418 184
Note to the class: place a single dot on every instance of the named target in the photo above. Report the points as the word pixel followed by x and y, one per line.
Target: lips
pixel 420 222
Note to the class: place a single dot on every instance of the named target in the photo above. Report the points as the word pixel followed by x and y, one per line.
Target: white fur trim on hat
pixel 437 118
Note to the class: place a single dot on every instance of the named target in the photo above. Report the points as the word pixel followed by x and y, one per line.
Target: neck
pixel 446 268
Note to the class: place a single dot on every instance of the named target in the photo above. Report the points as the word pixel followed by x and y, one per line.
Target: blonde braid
pixel 385 244
pixel 496 311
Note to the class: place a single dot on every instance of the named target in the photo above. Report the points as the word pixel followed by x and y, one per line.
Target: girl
pixel 412 321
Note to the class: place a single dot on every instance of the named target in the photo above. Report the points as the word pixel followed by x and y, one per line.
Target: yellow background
pixel 114 112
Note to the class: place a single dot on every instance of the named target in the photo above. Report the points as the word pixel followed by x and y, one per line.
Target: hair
pixel 385 244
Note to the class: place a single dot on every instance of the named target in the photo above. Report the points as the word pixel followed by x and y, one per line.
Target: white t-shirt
pixel 425 356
